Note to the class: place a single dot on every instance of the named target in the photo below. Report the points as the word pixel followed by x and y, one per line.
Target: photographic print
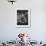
pixel 23 18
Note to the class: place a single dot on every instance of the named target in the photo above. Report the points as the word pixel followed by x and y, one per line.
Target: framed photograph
pixel 23 18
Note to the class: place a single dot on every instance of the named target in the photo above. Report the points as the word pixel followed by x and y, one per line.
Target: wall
pixel 8 28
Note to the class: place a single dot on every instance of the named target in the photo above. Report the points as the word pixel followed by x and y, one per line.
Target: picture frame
pixel 23 17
